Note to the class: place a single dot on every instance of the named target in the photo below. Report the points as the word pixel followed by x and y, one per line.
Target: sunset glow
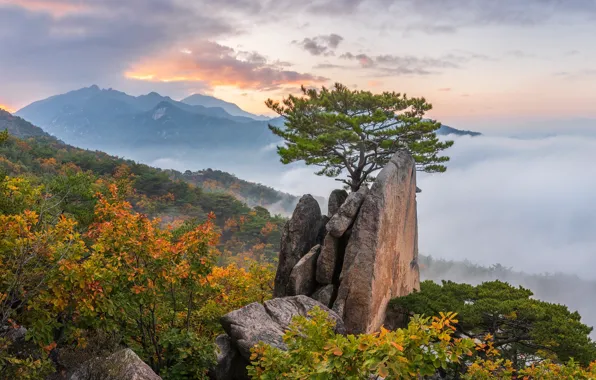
pixel 478 64
pixel 57 8
pixel 7 108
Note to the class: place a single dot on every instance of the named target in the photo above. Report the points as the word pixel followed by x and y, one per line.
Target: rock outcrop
pixel 299 235
pixel 380 261
pixel 354 261
pixel 121 365
pixel 369 254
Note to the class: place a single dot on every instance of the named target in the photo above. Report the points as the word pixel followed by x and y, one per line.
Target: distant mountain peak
pixel 213 102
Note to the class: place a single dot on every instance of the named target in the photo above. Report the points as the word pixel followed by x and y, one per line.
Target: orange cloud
pixel 218 65
pixel 56 8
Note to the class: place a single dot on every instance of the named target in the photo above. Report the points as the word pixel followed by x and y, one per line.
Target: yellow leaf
pixel 400 348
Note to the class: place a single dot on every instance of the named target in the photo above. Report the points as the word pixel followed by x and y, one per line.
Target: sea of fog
pixel 524 203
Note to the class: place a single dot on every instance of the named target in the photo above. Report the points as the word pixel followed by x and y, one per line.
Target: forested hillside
pixel 252 194
pixel 159 194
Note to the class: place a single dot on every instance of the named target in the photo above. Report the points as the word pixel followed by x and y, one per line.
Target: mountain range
pixel 98 118
pixel 105 118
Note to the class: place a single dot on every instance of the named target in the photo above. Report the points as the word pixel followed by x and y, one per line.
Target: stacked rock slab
pixel 300 234
pixel 369 251
pixel 380 261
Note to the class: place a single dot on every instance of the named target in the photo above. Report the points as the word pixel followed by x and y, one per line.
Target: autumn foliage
pixel 125 272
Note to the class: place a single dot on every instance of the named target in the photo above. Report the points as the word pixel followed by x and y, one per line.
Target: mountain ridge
pixel 101 118
pixel 212 102
pixel 251 194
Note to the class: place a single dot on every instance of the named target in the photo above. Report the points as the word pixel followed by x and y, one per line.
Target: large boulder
pixel 336 199
pixel 343 219
pixel 268 322
pixel 303 276
pixel 380 261
pixel 121 365
pixel 299 235
pixel 328 260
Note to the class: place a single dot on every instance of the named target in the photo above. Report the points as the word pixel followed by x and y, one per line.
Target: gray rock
pixel 250 325
pixel 299 235
pixel 121 365
pixel 282 310
pixel 322 229
pixel 336 199
pixel 267 323
pixel 230 365
pixel 383 245
pixel 328 259
pixel 324 295
pixel 303 276
pixel 343 219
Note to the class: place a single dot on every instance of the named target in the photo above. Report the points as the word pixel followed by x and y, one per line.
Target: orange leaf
pixel 400 348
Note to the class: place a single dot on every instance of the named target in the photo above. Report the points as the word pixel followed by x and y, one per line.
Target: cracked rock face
pixel 299 235
pixel 382 251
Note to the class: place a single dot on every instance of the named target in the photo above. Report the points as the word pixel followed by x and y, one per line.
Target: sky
pixel 483 65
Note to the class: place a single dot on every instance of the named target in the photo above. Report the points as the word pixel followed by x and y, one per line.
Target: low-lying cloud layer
pixel 527 204
pixel 524 203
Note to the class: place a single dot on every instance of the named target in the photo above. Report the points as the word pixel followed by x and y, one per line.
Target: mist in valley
pixel 523 203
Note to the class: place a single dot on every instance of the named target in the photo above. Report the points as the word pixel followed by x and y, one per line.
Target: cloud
pixel 325 66
pixel 445 89
pixel 576 75
pixel 96 43
pixel 430 29
pixel 56 8
pixel 526 204
pixel 320 45
pixel 363 59
pixel 218 65
pixel 388 64
pixel 520 54
pixel 456 14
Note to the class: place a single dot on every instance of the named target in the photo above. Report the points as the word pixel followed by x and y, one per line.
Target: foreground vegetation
pixel 425 347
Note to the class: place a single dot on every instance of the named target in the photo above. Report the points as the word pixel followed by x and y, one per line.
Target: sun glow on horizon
pixel 7 108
